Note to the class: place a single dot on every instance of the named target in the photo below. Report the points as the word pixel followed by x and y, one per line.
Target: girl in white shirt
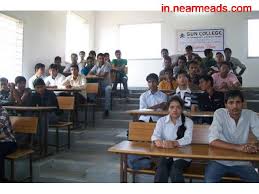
pixel 172 131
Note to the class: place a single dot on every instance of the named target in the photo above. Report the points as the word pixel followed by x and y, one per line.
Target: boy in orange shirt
pixel 168 83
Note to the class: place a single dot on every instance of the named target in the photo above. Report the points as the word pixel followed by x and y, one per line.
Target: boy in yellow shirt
pixel 168 83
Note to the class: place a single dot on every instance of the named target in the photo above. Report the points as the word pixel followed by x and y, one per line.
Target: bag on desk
pixel 139 162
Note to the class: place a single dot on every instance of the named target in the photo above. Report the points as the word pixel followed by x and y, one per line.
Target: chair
pixel 65 103
pixel 91 88
pixel 25 125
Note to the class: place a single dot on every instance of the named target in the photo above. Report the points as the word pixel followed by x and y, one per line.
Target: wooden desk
pixel 195 151
pixel 71 90
pixel 42 115
pixel 137 113
pixel 94 77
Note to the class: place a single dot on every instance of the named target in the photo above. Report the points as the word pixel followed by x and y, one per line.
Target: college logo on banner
pixel 200 39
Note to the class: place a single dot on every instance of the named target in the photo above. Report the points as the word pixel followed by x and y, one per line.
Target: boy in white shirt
pixel 55 79
pixel 39 73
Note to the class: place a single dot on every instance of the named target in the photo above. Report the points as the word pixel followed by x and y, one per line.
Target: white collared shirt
pixel 224 128
pixel 105 68
pixel 167 130
pixel 147 100
pixel 79 83
pixel 32 79
pixel 57 81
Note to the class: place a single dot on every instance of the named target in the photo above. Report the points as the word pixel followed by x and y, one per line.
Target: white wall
pixel 235 25
pixel 45 36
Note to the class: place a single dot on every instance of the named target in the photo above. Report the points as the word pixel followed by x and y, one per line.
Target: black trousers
pixel 167 167
pixel 5 149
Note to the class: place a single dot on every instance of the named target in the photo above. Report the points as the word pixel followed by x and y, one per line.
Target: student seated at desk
pixel 58 62
pixel 21 95
pixel 39 73
pixel 181 65
pixel 7 140
pixel 224 80
pixel 74 59
pixel 92 54
pixel 209 61
pixel 183 91
pixel 230 130
pixel 55 79
pixel 172 131
pixel 107 58
pixel 210 100
pixel 88 67
pixel 119 66
pixel 168 67
pixel 44 97
pixel 152 99
pixel 6 91
pixel 193 67
pixel 103 70
pixel 219 60
pixel 169 83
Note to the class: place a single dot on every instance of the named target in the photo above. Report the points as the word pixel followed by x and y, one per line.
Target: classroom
pixel 129 96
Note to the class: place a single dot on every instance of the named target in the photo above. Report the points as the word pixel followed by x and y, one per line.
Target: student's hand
pixel 158 143
pixel 169 144
pixel 248 148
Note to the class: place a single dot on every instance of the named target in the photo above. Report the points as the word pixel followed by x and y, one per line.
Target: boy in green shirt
pixel 119 65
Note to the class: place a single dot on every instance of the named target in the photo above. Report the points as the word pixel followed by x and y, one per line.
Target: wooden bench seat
pixel 139 131
pixel 19 153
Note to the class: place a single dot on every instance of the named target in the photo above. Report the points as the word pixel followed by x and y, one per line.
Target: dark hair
pixel 83 52
pixel 232 94
pixel 198 58
pixel 74 66
pixel 38 82
pixel 228 49
pixel 92 52
pixel 181 72
pixel 117 51
pixel 57 58
pixel 73 54
pixel 207 78
pixel 89 58
pixel 3 79
pixel 19 79
pixel 168 58
pixel 207 51
pixel 225 63
pixel 188 47
pixel 181 129
pixel 53 66
pixel 219 53
pixel 152 76
pixel 182 57
pixel 164 50
pixel 100 54
pixel 106 54
pixel 39 66
pixel 192 62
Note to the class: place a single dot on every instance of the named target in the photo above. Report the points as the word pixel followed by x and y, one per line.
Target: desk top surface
pixel 30 108
pixel 195 151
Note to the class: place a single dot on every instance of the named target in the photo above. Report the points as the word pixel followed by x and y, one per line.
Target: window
pixel 11 47
pixel 77 35
pixel 253 38
pixel 140 41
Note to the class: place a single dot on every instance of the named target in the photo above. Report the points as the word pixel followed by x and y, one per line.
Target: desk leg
pixel 45 115
pixel 123 168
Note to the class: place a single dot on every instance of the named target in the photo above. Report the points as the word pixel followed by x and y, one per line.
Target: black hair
pixel 207 51
pixel 232 94
pixel 19 79
pixel 106 54
pixel 100 54
pixel 74 54
pixel 74 66
pixel 225 63
pixel 92 52
pixel 228 49
pixel 83 52
pixel 117 51
pixel 197 58
pixel 3 79
pixel 181 129
pixel 57 58
pixel 39 66
pixel 192 62
pixel 38 82
pixel 152 76
pixel 182 72
pixel 182 57
pixel 168 58
pixel 164 50
pixel 89 58
pixel 53 66
pixel 188 47
pixel 219 53
pixel 207 78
